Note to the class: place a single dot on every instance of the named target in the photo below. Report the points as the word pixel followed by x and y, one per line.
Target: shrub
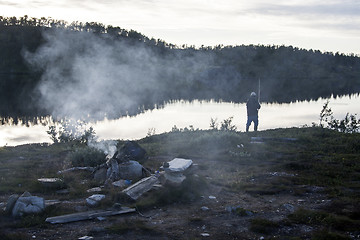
pixel 87 156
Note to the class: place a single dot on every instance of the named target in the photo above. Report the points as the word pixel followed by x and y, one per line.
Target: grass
pixel 325 219
pixel 261 225
pixel 319 158
pixel 126 226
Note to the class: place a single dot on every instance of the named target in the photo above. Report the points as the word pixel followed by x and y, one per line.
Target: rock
pixel 27 204
pixel 95 199
pixel 95 189
pixel 85 238
pixel 174 178
pixel 26 194
pixel 100 175
pixel 11 203
pixel 174 171
pixel 121 183
pixel 130 170
pixel 205 235
pixel 289 207
pixel 178 165
pixel 130 151
pixel 52 183
pixel 204 208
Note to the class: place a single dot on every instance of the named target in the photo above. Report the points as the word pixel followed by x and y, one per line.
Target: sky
pixel 325 25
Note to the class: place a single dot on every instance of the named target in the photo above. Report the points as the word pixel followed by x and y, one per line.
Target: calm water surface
pixel 197 114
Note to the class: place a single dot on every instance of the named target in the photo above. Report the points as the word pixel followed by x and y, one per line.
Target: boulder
pixel 130 151
pixel 130 170
pixel 27 204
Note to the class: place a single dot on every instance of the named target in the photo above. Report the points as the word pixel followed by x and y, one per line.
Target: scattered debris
pixel 113 171
pixel 179 164
pixel 85 238
pixel 52 183
pixel 90 169
pixel 95 199
pixel 212 197
pixel 139 188
pixel 122 183
pixel 204 208
pixel 174 170
pixel 95 189
pixel 74 217
pixel 205 235
pixel 51 202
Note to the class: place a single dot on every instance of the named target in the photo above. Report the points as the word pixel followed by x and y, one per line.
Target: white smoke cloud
pixel 88 75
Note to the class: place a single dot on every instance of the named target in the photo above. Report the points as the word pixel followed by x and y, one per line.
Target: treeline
pixel 286 73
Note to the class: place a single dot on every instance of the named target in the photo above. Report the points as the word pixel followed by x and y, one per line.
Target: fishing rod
pixel 259 91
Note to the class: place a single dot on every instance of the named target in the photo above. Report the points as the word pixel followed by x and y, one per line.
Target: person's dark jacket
pixel 252 106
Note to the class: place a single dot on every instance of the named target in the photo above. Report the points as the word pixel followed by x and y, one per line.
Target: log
pixel 74 217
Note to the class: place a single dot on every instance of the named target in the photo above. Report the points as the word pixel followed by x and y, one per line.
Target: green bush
pixel 87 156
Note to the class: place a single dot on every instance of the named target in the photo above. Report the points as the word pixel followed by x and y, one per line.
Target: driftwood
pixel 139 188
pixel 74 217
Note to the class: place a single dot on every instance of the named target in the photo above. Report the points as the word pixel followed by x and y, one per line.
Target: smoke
pixel 107 146
pixel 88 75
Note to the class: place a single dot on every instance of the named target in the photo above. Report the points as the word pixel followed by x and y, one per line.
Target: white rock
pixel 179 164
pixel 28 205
pixel 93 200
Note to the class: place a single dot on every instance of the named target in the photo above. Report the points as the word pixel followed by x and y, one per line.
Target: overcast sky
pixel 326 25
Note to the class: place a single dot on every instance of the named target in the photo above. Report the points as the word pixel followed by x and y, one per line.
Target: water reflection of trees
pixel 287 74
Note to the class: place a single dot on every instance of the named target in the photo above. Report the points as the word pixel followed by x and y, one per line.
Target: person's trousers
pixel 252 119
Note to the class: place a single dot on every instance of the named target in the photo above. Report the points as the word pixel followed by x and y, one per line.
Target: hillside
pixel 299 183
pixel 44 62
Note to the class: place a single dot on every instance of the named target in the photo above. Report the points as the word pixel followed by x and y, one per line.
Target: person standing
pixel 252 106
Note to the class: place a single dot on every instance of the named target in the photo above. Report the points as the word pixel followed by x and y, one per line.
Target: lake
pixel 197 114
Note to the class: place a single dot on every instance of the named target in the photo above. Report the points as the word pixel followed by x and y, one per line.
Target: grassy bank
pixel 315 172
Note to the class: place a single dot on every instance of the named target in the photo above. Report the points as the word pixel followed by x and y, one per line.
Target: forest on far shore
pixel 227 73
